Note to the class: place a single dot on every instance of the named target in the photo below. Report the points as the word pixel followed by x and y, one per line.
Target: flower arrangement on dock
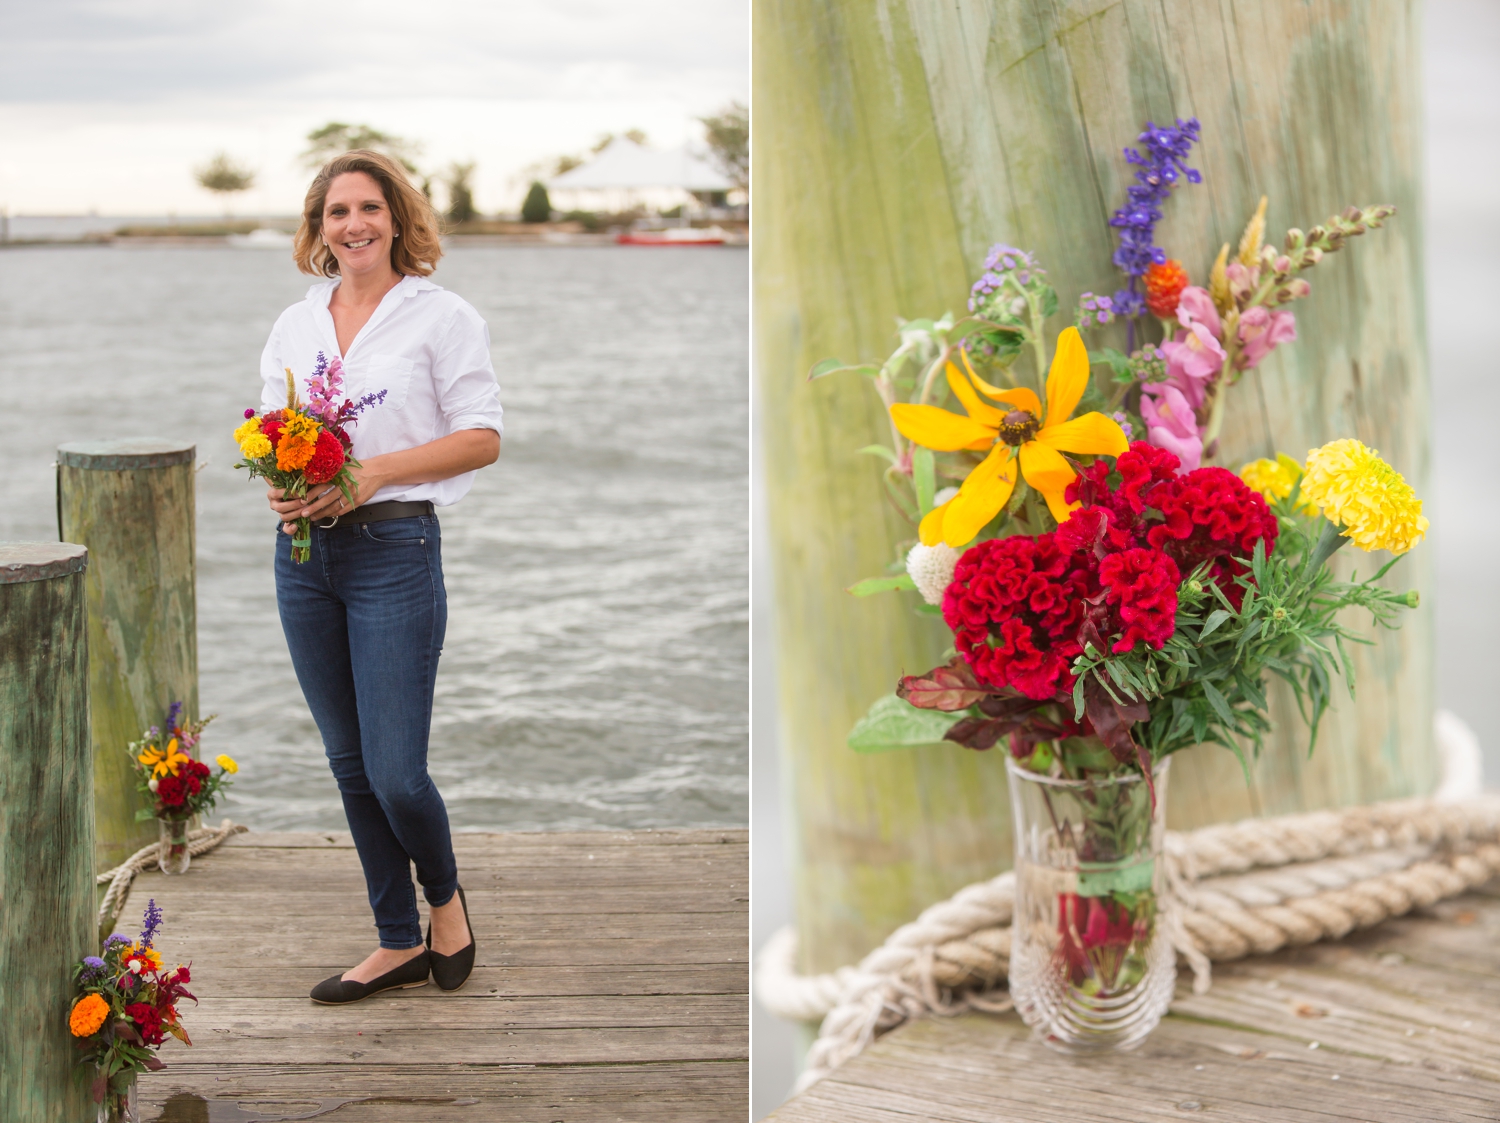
pixel 125 1009
pixel 178 785
pixel 1113 598
pixel 307 443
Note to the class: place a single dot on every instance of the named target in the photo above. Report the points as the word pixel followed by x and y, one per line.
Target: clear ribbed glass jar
pixel 1091 965
pixel 172 851
pixel 118 1105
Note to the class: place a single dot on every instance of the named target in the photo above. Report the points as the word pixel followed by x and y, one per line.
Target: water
pixel 595 672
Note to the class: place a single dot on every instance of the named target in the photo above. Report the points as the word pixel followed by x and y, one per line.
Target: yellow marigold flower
pixel 1275 479
pixel 249 428
pixel 88 1015
pixel 255 446
pixel 227 763
pixel 1375 507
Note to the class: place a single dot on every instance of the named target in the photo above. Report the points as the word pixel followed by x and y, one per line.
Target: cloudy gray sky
pixel 108 105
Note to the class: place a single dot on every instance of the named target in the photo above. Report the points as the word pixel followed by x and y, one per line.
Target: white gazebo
pixel 625 175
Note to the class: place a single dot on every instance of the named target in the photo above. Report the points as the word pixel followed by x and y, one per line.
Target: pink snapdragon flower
pixel 1261 331
pixel 1195 356
pixel 1195 306
pixel 1171 423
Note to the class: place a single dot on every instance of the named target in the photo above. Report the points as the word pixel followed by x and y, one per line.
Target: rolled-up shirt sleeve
pixel 464 377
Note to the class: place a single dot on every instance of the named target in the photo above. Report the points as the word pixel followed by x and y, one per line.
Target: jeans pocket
pixel 398 532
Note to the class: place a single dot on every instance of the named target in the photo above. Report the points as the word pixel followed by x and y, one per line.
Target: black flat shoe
pixel 337 991
pixel 450 971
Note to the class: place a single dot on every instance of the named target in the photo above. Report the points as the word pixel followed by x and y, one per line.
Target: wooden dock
pixel 611 984
pixel 1397 1024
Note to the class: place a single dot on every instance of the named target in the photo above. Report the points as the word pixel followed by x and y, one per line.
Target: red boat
pixel 677 236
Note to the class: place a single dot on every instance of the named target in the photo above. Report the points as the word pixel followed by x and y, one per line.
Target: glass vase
pixel 172 847
pixel 119 1104
pixel 1091 965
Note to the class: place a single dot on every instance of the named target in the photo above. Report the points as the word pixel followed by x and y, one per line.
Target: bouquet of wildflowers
pixel 178 785
pixel 125 1008
pixel 1105 587
pixel 306 443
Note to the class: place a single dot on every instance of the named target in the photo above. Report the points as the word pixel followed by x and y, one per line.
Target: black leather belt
pixel 380 512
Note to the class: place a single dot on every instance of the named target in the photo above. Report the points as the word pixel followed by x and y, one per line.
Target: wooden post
pixel 131 503
pixel 46 825
pixel 894 144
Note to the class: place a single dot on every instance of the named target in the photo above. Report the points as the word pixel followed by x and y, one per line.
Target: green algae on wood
pixel 132 504
pixel 894 144
pixel 46 826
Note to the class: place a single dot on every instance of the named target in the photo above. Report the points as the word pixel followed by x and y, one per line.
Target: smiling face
pixel 357 224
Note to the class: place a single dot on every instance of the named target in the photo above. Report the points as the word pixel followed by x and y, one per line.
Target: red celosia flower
pixel 1164 285
pixel 1141 586
pixel 171 791
pixel 1211 515
pixel 271 426
pixel 326 460
pixel 1015 607
pixel 147 1021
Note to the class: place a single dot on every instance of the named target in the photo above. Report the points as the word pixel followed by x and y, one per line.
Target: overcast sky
pixel 108 105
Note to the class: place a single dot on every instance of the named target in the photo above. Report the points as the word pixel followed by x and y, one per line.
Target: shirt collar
pixel 322 292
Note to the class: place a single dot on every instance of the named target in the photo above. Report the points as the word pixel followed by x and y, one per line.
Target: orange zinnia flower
pixel 88 1015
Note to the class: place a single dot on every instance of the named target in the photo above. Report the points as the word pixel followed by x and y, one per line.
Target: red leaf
pixel 127 1031
pixel 101 1082
pixel 154 1065
pixel 948 688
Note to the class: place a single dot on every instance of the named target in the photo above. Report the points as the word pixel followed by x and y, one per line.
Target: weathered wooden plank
pixel 507 841
pixel 46 824
pixel 613 1044
pixel 893 146
pixel 231 981
pixel 697 1092
pixel 132 504
pixel 1379 1026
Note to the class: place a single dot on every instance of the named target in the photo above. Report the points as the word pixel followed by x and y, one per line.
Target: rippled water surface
pixel 595 669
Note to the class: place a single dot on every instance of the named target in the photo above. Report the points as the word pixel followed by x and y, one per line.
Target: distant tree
pixel 537 207
pixel 728 136
pixel 460 193
pixel 224 178
pixel 336 136
pixel 564 164
pixel 635 136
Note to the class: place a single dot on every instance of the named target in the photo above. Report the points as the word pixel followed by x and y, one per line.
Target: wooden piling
pixel 131 503
pixel 46 826
pixel 893 147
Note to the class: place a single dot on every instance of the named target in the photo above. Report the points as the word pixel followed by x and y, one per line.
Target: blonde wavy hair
pixel 414 253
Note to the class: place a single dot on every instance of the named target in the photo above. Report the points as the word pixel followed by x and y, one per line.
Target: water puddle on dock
pixel 188 1108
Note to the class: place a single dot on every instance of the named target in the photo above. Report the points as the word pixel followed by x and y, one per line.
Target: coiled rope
pixel 1233 890
pixel 200 841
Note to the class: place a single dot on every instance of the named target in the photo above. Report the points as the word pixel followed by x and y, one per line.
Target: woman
pixel 364 617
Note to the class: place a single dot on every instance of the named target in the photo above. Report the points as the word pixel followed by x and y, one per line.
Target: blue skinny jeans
pixel 364 619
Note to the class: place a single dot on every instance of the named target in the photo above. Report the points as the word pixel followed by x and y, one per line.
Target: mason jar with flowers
pixel 178 785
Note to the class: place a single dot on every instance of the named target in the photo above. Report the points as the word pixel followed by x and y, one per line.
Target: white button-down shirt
pixel 424 346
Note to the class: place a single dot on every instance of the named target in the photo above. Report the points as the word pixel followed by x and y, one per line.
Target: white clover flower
pixel 931 567
pixel 154 783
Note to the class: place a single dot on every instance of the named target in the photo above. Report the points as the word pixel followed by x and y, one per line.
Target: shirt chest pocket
pixel 390 373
